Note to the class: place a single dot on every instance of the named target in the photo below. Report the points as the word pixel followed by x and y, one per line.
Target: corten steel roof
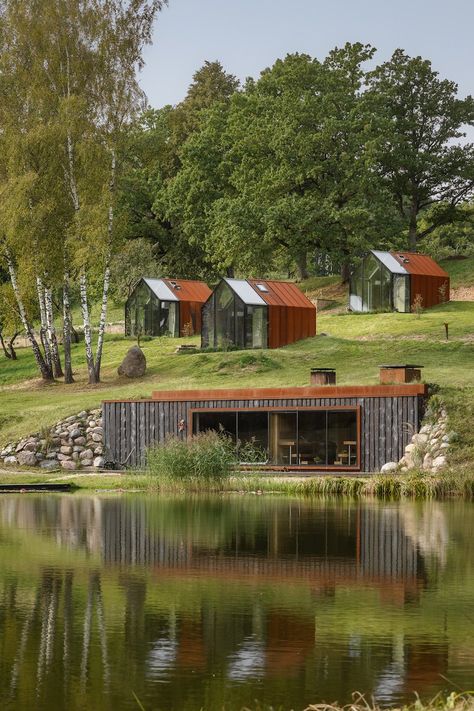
pixel 277 293
pixel 282 293
pixel 187 290
pixel 419 264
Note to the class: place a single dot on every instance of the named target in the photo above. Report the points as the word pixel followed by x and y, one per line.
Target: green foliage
pixel 206 457
pixel 426 166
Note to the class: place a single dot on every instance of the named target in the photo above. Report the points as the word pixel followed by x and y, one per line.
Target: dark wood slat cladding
pixel 387 423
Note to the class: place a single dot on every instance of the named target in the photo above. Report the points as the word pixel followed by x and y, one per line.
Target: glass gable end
pixel 146 315
pixel 371 286
pixel 228 321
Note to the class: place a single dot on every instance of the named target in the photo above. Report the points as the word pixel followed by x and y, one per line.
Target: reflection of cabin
pixel 162 307
pixel 256 313
pixel 392 281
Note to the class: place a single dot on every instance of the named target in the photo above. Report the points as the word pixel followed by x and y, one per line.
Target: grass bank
pixel 383 487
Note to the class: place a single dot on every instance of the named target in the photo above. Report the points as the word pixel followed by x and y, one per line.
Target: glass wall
pixel 313 438
pixel 226 321
pixel 371 286
pixel 146 315
pixel 401 293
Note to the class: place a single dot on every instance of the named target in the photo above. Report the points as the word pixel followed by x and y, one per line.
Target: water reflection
pixel 190 604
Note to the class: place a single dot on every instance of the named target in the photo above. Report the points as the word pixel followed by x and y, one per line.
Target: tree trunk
pixel 51 333
pixel 345 271
pixel 302 266
pixel 106 282
pixel 40 290
pixel 87 329
pixel 68 377
pixel 4 348
pixel 103 315
pixel 46 372
pixel 10 347
pixel 413 228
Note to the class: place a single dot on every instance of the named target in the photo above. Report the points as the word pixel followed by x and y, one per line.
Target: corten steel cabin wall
pixel 192 295
pixel 291 315
pixel 389 415
pixel 427 278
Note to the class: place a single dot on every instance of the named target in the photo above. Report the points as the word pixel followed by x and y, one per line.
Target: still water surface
pixel 212 603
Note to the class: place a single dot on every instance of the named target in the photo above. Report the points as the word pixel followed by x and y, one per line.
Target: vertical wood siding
pixel 387 424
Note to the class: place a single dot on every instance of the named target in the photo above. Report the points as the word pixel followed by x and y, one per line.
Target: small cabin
pixel 256 313
pixel 165 307
pixel 315 428
pixel 392 281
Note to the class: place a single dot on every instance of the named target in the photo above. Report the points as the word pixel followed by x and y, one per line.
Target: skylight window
pixel 262 287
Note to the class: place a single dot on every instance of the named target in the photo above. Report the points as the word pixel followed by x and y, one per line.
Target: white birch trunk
pixel 40 290
pixel 68 377
pixel 51 333
pixel 87 327
pixel 106 283
pixel 46 373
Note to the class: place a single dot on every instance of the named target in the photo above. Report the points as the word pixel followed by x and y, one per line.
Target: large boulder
pixel 134 363
pixel 27 459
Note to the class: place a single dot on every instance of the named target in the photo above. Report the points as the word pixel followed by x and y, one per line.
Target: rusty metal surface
pixel 282 293
pixel 189 290
pixel 419 264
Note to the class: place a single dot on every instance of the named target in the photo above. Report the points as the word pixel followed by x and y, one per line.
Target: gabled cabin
pixel 160 307
pixel 256 313
pixel 391 281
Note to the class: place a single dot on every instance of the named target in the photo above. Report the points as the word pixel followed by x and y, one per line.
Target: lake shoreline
pixel 416 485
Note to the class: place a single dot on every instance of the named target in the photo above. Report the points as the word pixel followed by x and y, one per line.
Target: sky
pixel 247 36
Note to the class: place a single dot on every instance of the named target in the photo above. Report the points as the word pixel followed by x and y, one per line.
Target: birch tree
pixel 72 66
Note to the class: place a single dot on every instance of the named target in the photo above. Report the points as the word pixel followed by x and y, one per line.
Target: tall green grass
pixel 205 458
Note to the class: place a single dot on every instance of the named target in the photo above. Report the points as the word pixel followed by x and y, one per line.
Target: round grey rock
pixel 134 363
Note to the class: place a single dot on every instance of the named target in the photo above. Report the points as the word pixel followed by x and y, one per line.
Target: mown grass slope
pixel 355 345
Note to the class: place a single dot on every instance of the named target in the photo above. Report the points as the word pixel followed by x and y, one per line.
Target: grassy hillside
pixel 355 345
pixel 461 271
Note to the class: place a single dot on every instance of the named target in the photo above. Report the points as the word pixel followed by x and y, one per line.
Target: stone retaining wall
pixel 73 443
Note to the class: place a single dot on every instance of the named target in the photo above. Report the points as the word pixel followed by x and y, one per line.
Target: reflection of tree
pixel 293 595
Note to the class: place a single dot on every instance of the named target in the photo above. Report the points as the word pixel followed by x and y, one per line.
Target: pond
pixel 176 604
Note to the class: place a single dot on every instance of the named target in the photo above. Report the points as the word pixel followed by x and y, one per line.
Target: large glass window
pixel 371 286
pixel 341 438
pixel 252 434
pixel 400 294
pixel 311 438
pixel 356 295
pixel 256 327
pixel 225 315
pixel 169 318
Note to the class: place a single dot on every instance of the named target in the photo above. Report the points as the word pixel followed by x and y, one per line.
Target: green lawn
pixel 355 346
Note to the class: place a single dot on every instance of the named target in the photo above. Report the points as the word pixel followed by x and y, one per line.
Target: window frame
pixel 290 409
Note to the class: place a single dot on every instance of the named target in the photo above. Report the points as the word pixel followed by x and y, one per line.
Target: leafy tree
pixel 423 160
pixel 135 259
pixel 70 66
pixel 154 151
pixel 286 168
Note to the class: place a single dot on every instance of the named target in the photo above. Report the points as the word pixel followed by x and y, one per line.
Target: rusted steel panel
pixel 420 264
pixel 430 289
pixel 281 293
pixel 337 391
pixel 189 290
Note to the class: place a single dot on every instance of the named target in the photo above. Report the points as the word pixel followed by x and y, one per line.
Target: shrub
pixel 207 456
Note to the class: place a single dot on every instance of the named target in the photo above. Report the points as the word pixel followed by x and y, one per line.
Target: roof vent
pixel 262 287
